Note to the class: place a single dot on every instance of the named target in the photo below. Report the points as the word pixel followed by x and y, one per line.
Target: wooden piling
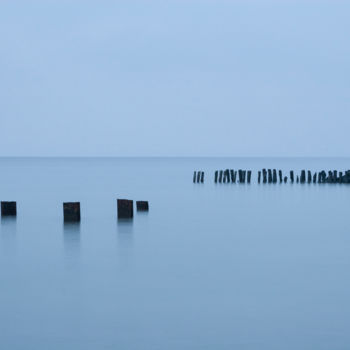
pixel 202 177
pixel 269 175
pixel 291 176
pixel 198 176
pixel 264 176
pixel 216 176
pixel 8 208
pixel 71 211
pixel 274 176
pixel 142 206
pixel 302 177
pixel 280 175
pixel 309 176
pixel 220 176
pixel 194 177
pixel 125 209
pixel 285 179
pixel 259 176
pixel 249 175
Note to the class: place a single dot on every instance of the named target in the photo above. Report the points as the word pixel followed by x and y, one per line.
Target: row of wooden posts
pixel 71 210
pixel 273 176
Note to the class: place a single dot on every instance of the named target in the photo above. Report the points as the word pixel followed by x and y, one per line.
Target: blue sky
pixel 174 78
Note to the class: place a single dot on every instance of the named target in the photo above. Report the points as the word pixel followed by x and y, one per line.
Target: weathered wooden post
pixel 227 175
pixel 285 179
pixel 340 180
pixel 259 176
pixel 198 176
pixel 249 175
pixel 302 177
pixel 269 175
pixel 264 176
pixel 71 211
pixel 280 175
pixel 232 176
pixel 8 209
pixel 194 177
pixel 274 178
pixel 220 176
pixel 142 205
pixel 235 176
pixel 314 179
pixel 202 177
pixel 309 176
pixel 243 175
pixel 291 176
pixel 216 176
pixel 125 209
pixel 335 175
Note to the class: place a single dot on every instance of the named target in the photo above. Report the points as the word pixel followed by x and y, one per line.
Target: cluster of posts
pixel 233 176
pixel 273 176
pixel 306 176
pixel 198 177
pixel 71 210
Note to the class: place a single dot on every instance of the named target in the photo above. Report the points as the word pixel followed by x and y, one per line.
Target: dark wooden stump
pixel 291 176
pixel 216 176
pixel 142 205
pixel 8 209
pixel 280 175
pixel 259 176
pixel 71 211
pixel 194 177
pixel 249 176
pixel 125 209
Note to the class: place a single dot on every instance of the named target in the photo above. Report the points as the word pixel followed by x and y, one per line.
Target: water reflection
pixel 71 237
pixel 125 230
pixel 8 233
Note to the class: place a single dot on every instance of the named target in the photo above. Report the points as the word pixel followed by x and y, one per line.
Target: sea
pixel 210 266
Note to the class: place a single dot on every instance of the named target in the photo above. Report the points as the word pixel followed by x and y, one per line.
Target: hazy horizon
pixel 174 78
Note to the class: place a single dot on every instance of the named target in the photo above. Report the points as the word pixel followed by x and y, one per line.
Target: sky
pixel 174 78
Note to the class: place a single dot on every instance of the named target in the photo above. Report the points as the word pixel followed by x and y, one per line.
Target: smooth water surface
pixel 209 267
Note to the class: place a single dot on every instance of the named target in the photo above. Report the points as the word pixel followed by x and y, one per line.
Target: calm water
pixel 209 267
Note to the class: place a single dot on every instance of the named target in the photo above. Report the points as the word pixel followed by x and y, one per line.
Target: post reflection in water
pixel 71 237
pixel 125 230
pixel 8 233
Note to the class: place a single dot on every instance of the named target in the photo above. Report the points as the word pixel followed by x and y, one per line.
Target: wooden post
pixel 291 176
pixel 198 176
pixel 71 211
pixel 309 176
pixel 125 209
pixel 269 175
pixel 314 178
pixel 194 177
pixel 259 176
pixel 216 176
pixel 249 175
pixel 220 176
pixel 264 176
pixel 280 175
pixel 274 178
pixel 202 177
pixel 302 177
pixel 285 179
pixel 142 205
pixel 8 208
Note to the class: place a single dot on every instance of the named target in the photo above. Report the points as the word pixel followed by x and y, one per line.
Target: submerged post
pixel 194 177
pixel 71 211
pixel 216 176
pixel 142 205
pixel 8 208
pixel 202 177
pixel 125 209
pixel 259 176
pixel 280 175
pixel 249 175
pixel 291 176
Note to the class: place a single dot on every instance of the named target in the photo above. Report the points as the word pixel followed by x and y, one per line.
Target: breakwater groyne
pixel 274 176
